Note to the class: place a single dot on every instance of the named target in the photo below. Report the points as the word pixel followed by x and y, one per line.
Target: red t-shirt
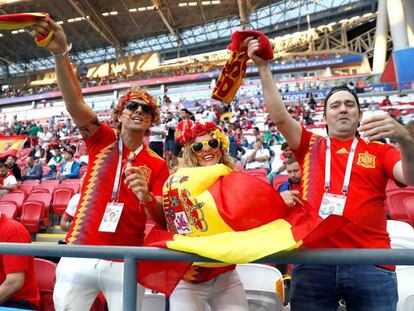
pixel 97 188
pixel 14 232
pixel 373 164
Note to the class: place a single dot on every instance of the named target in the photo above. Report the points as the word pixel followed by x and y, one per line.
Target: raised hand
pixel 59 42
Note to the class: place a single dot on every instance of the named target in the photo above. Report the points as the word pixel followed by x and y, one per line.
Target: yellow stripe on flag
pixel 239 247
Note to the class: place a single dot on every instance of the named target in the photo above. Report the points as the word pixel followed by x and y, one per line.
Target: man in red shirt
pixel 344 174
pixel 124 178
pixel 18 286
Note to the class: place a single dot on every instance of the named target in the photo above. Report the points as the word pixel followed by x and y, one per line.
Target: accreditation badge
pixel 111 217
pixel 332 204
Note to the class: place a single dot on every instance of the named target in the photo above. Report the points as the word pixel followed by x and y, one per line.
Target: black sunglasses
pixel 212 143
pixel 133 106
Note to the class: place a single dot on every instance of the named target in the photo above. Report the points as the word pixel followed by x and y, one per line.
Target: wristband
pixel 69 47
pixel 151 203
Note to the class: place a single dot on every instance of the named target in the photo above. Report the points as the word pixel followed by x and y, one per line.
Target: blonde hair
pixel 189 159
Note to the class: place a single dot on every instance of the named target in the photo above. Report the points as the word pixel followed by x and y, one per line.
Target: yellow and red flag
pixel 9 145
pixel 232 74
pixel 23 20
pixel 232 217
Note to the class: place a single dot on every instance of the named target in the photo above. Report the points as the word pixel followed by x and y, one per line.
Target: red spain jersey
pixel 97 188
pixel 373 165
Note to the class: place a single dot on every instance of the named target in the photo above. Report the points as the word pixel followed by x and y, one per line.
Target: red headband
pixel 140 96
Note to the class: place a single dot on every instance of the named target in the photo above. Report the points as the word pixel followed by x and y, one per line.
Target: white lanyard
pixel 348 166
pixel 115 189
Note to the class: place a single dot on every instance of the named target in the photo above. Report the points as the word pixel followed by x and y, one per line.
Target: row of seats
pixel 32 202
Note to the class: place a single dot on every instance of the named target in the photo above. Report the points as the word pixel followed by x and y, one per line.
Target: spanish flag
pixel 23 20
pixel 232 74
pixel 233 217
pixel 9 145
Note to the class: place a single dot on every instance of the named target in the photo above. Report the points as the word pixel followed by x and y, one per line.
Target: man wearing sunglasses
pixel 343 174
pixel 124 179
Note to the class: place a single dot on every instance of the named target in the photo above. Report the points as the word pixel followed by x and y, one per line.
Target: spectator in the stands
pixel 7 180
pixel 294 176
pixel 11 164
pixel 51 173
pixel 37 152
pixel 386 101
pixel 34 170
pixel 57 159
pixel 34 130
pixel 84 158
pixel 258 157
pixel 45 137
pixel 18 286
pixel 70 168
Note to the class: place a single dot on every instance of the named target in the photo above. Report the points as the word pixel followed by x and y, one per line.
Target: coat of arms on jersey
pixel 366 160
pixel 146 171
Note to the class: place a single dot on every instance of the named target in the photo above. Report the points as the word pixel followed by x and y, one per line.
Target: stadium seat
pixel 45 276
pixel 50 181
pixel 263 286
pixel 260 173
pixel 46 200
pixel 279 180
pixel 24 188
pixel 32 213
pixel 408 205
pixel 16 198
pixel 395 203
pixel 33 182
pixel 61 198
pixel 153 301
pixel 9 209
pixel 44 188
pixel 74 186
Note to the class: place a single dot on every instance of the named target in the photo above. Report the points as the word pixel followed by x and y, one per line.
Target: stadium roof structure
pixel 103 30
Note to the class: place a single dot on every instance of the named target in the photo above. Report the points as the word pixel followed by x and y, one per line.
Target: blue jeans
pixel 363 287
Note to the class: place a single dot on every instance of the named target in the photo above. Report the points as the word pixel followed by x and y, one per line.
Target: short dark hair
pixel 2 164
pixel 284 145
pixel 291 160
pixel 337 89
pixel 70 152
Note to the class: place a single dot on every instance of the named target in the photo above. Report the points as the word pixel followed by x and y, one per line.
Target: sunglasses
pixel 133 106
pixel 212 143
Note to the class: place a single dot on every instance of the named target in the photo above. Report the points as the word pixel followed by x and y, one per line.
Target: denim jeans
pixel 363 287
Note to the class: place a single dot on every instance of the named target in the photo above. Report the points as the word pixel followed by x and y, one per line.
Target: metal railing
pixel 130 255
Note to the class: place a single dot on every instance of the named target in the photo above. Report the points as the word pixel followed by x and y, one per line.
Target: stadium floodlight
pixel 1 35
pixel 113 13
pixel 14 32
pixel 205 2
pixel 215 2
pixel 192 3
pixel 60 22
pixel 133 10
pixel 181 4
pixel 105 14
pixel 142 9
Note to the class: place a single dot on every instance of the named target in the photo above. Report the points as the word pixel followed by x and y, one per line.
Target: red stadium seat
pixel 25 188
pixel 279 180
pixel 9 209
pixel 45 188
pixel 45 275
pixel 16 198
pixel 32 213
pixel 408 204
pixel 33 182
pixel 50 181
pixel 395 203
pixel 61 198
pixel 260 173
pixel 45 199
pixel 74 186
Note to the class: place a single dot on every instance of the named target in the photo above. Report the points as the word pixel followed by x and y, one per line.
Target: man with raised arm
pixel 124 178
pixel 344 174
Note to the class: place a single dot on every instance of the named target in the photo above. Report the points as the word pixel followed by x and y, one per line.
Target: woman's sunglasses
pixel 212 143
pixel 133 106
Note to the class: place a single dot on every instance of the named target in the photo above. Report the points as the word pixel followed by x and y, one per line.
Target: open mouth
pixel 208 157
pixel 137 119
